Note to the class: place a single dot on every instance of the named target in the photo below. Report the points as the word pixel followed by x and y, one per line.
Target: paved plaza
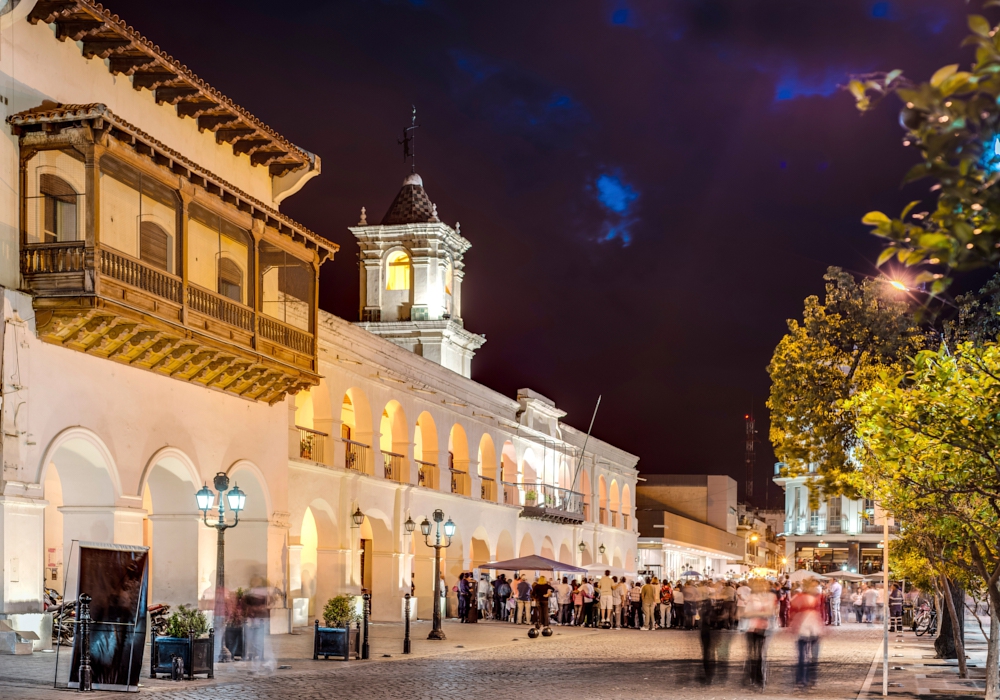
pixel 499 660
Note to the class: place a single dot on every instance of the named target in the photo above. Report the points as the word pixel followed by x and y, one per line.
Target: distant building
pixel 688 523
pixel 833 534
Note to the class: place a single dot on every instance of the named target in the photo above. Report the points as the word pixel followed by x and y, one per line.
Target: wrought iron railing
pixel 141 276
pixel 356 456
pixel 487 488
pixel 604 516
pixel 39 258
pixel 459 482
pixel 221 308
pixel 426 472
pixel 278 332
pixel 625 523
pixel 393 465
pixel 311 443
pixel 544 496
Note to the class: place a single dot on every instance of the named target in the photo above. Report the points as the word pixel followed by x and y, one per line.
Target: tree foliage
pixel 838 348
pixel 953 122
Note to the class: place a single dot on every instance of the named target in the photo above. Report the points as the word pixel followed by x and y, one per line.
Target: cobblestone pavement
pixel 497 659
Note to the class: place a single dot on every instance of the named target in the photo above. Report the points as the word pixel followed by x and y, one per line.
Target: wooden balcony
pixel 110 305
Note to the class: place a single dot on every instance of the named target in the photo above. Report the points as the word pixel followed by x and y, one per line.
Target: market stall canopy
pixel 847 576
pixel 803 574
pixel 690 573
pixel 533 563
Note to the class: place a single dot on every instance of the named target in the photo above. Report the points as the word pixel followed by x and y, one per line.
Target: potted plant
pixel 236 615
pixel 530 497
pixel 337 638
pixel 184 639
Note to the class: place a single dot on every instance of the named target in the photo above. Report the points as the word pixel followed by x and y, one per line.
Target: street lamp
pixel 601 549
pixel 409 525
pixel 237 501
pixel 357 516
pixel 449 531
pixel 581 547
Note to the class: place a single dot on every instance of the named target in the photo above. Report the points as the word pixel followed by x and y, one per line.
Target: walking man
pixel 523 613
pixel 834 592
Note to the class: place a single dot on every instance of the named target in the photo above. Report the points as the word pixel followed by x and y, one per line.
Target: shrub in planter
pixel 531 497
pixel 337 638
pixel 184 639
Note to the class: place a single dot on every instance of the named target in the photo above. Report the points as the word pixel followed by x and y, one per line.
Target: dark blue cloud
pixel 516 100
pixel 617 199
pixel 882 9
pixel 792 84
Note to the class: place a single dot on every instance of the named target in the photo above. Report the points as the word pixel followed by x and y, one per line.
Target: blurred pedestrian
pixel 895 609
pixel 833 593
pixel 649 594
pixel 564 596
pixel 807 625
pixel 757 615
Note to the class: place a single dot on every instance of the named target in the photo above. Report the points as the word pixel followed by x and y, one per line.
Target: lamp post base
pixel 436 634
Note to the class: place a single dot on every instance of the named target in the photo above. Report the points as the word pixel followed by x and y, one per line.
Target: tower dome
pixel 411 205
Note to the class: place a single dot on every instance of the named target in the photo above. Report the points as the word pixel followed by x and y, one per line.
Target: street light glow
pixel 899 285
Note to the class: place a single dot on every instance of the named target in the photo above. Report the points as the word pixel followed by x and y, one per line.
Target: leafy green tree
pixel 952 121
pixel 931 450
pixel 838 348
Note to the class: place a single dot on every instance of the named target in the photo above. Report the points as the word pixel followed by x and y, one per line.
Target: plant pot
pixel 234 641
pixel 339 642
pixel 198 655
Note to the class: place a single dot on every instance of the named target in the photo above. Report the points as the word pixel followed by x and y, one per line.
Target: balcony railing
pixel 311 443
pixel 426 473
pixel 393 465
pixel 278 332
pixel 141 276
pixel 50 258
pixel 220 308
pixel 459 482
pixel 511 494
pixel 487 488
pixel 546 502
pixel 356 456
pixel 625 524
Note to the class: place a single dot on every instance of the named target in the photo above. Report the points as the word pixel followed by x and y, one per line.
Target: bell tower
pixel 412 268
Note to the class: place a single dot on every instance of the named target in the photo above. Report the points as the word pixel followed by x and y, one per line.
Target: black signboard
pixel 115 576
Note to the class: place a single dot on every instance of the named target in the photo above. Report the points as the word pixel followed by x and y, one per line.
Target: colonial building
pixel 161 325
pixel 829 534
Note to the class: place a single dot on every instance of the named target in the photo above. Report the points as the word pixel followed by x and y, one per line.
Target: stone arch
pixel 425 450
pixel 508 474
pixel 626 500
pixel 588 495
pixel 314 571
pixel 356 425
pixel 602 496
pixel 565 553
pixel 629 562
pixel 529 467
pixel 527 547
pixel 376 565
pixel 586 558
pixel 614 504
pixel 458 460
pixel 548 549
pixel 82 489
pixel 173 528
pixel 479 549
pixel 616 559
pixel 246 545
pixel 394 442
pixel 505 546
pixel 487 459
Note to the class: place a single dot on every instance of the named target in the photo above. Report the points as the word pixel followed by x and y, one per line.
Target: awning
pixel 533 563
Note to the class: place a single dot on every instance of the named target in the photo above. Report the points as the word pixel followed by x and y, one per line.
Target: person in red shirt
pixel 807 625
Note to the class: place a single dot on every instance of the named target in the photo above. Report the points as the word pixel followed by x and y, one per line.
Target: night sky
pixel 650 188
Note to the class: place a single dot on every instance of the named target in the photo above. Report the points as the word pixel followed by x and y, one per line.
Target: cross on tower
pixel 408 142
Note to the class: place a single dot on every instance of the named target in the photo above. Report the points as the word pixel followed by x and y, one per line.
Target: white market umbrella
pixel 803 574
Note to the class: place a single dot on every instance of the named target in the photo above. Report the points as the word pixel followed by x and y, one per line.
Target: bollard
pixel 406 625
pixel 83 617
pixel 366 608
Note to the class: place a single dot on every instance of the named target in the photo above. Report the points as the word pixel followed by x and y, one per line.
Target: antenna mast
pixel 750 457
pixel 408 142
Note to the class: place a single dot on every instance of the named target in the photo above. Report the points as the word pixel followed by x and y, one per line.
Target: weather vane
pixel 407 142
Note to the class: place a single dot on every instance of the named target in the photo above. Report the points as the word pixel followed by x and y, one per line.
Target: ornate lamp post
pixel 449 530
pixel 237 501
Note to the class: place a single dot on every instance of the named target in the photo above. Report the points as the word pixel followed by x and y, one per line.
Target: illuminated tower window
pixel 397 271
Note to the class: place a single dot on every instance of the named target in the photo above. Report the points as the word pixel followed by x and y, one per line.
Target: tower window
pixel 397 271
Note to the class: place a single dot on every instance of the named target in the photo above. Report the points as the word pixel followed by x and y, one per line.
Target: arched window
pixel 154 245
pixel 230 279
pixel 60 209
pixel 397 271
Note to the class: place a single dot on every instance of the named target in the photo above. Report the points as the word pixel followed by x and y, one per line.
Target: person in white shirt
pixel 564 596
pixel 834 593
pixel 742 598
pixel 620 595
pixel 607 588
pixel 588 604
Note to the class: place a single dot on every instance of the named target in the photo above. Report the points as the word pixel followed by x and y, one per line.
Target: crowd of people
pixel 756 607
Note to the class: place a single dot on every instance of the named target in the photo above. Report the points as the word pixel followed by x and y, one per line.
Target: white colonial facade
pixel 834 533
pixel 161 325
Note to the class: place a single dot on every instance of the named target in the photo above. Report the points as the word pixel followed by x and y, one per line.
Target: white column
pixel 22 554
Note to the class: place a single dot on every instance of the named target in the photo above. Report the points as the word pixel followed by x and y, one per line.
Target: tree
pixel 931 439
pixel 838 349
pixel 953 122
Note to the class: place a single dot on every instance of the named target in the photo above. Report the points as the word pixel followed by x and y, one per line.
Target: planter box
pixel 339 642
pixel 234 641
pixel 198 655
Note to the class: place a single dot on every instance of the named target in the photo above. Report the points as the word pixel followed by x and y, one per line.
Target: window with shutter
pixel 60 209
pixel 154 244
pixel 230 279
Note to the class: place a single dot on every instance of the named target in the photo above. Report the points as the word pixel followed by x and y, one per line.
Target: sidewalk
pixel 914 671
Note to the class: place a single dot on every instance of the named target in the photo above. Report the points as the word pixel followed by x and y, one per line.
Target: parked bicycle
pixel 925 621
